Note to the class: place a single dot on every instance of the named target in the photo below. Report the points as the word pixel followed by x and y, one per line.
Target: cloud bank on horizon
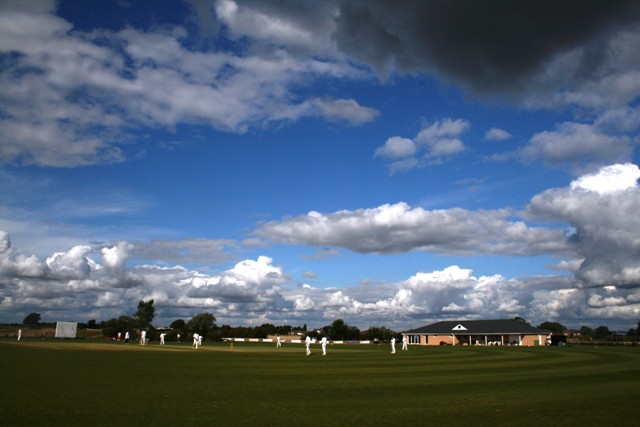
pixel 81 97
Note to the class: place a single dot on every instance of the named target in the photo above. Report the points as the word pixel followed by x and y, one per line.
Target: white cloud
pixel 400 228
pixel 496 134
pixel 70 98
pixel 74 262
pixel 347 110
pixel 435 142
pixel 13 263
pixel 609 179
pixel 577 142
pixel 397 147
pixel 116 256
pixel 602 208
pixel 307 27
pixel 255 291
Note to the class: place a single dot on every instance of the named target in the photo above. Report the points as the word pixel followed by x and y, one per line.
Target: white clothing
pixel 143 337
pixel 278 343
pixel 19 334
pixel 196 340
pixel 404 342
pixel 307 343
pixel 162 338
pixel 324 346
pixel 393 345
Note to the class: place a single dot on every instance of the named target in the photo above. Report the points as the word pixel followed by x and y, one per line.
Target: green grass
pixel 83 383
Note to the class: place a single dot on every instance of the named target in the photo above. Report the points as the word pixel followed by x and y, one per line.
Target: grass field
pixel 111 384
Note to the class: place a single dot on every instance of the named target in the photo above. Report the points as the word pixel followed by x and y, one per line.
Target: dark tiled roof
pixel 469 327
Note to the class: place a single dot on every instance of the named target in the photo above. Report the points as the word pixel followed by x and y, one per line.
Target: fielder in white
pixel 162 338
pixel 307 344
pixel 278 343
pixel 196 340
pixel 19 334
pixel 404 342
pixel 143 337
pixel 324 346
pixel 393 345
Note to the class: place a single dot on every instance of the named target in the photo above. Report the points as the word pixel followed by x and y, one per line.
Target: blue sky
pixel 298 162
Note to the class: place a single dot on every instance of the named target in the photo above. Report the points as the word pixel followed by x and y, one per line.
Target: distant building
pixel 478 332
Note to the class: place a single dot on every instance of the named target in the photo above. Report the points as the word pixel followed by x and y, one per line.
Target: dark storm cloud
pixel 483 45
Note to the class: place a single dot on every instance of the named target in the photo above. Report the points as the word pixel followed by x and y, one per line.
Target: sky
pixel 296 162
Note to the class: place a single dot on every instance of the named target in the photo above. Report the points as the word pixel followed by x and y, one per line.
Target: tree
pixel 554 327
pixel 339 330
pixel 145 313
pixel 601 332
pixel 111 327
pixel 177 324
pixel 201 323
pixel 521 320
pixel 586 333
pixel 32 319
pixel 92 324
pixel 378 333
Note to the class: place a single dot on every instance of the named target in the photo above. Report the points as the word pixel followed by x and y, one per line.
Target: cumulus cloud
pixel 602 208
pixel 73 283
pixel 577 142
pixel 73 286
pixel 397 147
pixel 69 98
pixel 401 228
pixel 347 110
pixel 435 142
pixel 609 179
pixel 13 263
pixel 496 134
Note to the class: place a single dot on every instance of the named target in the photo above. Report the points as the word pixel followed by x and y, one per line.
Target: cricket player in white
pixel 404 342
pixel 143 337
pixel 278 343
pixel 307 343
pixel 162 338
pixel 393 345
pixel 324 346
pixel 196 340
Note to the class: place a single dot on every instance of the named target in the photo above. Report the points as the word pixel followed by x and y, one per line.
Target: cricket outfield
pixel 102 383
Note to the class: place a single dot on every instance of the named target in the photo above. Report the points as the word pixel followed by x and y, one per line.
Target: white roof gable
pixel 459 327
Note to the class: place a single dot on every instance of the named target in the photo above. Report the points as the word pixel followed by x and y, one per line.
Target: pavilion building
pixel 478 332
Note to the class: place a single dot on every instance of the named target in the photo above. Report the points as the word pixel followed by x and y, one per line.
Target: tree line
pixel 205 324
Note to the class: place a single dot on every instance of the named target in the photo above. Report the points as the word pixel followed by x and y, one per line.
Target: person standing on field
pixel 143 337
pixel 307 344
pixel 195 340
pixel 162 338
pixel 404 342
pixel 126 337
pixel 19 334
pixel 324 345
pixel 393 345
pixel 278 343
